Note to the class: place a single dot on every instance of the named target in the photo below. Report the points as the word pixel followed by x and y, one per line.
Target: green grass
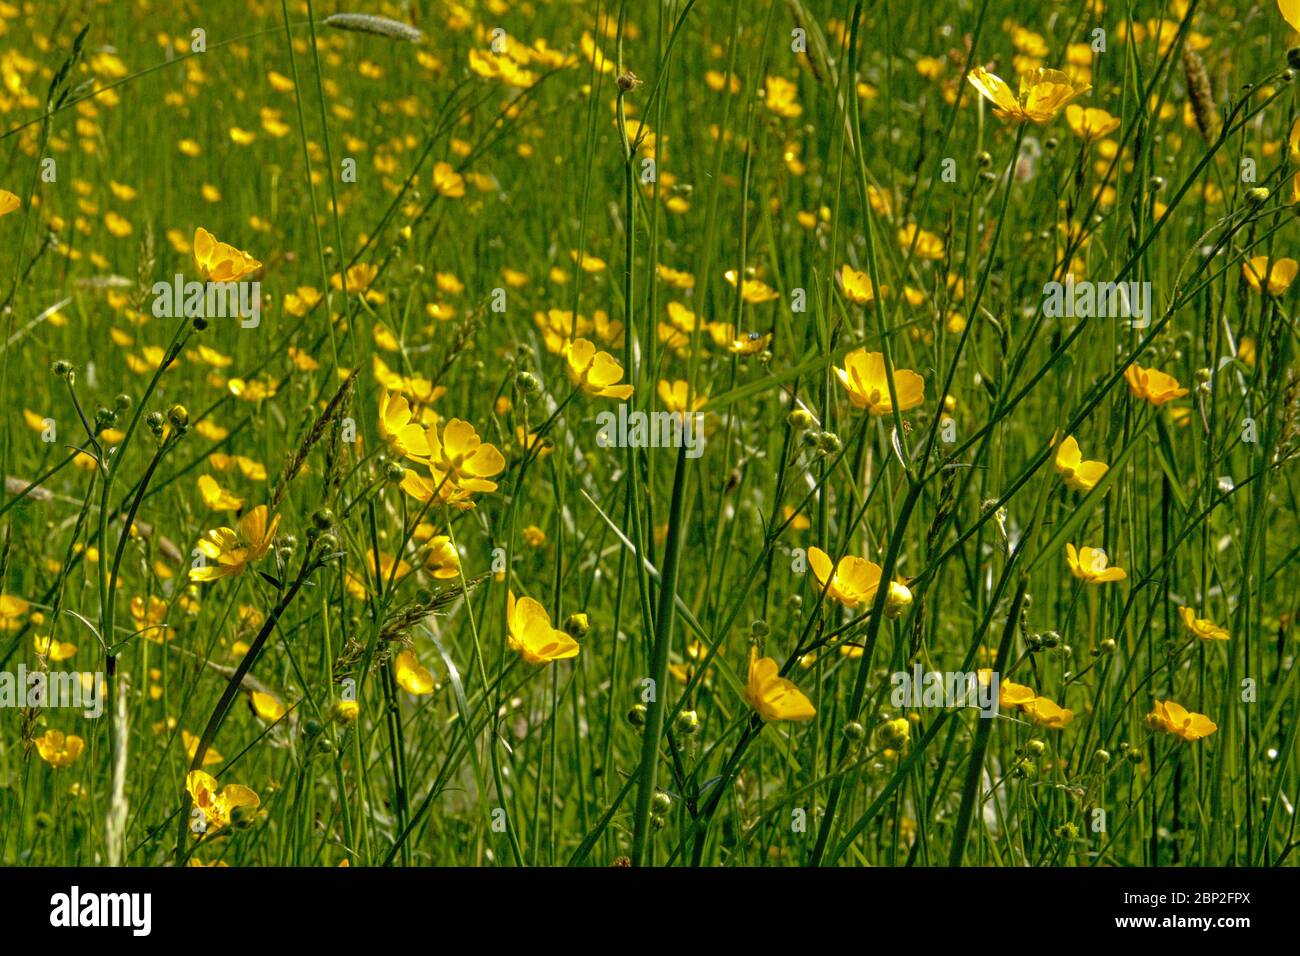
pixel 580 185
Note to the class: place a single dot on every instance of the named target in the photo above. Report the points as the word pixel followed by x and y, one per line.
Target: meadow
pixel 693 433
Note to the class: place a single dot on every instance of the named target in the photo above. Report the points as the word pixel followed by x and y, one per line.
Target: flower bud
pixel 687 723
pixel 894 733
pixel 345 711
pixel 898 600
pixel 799 419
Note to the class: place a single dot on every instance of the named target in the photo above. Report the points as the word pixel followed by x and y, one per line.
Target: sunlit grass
pixel 368 577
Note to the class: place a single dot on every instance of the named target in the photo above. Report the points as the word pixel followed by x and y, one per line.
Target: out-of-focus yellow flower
pixel 852 582
pixel 1089 122
pixel 216 497
pixel 926 244
pixel 191 744
pixel 1089 565
pixel 673 395
pixel 1173 718
pixel 59 750
pixel 410 676
pixel 779 96
pixel 771 695
pixel 54 650
pixel 595 372
pixel 218 807
pixel 752 291
pixel 1274 276
pixel 1043 94
pixel 447 181
pixel 531 633
pixel 1203 628
pixel 1078 474
pixel 228 552
pixel 863 377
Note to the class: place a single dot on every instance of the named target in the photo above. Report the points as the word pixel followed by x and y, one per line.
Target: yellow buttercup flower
pixel 1089 565
pixel 410 676
pixel 1078 474
pixel 531 633
pixel 218 807
pixel 753 291
pixel 1205 629
pixel 447 181
pixel 8 202
pixel 440 558
pixel 1043 94
pixel 595 372
pixel 267 706
pixel 59 750
pixel 229 552
pixel 54 650
pixel 779 97
pixel 459 453
pixel 751 343
pixel 1042 710
pixel 673 395
pixel 1011 694
pixel 1271 276
pixel 857 286
pixel 1152 385
pixel 863 377
pixel 191 744
pixel 852 582
pixel 1090 123
pixel 1173 718
pixel 219 261
pixel 216 497
pixel 1290 10
pixel 438 483
pixel 926 244
pixel 771 695
pixel 399 428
